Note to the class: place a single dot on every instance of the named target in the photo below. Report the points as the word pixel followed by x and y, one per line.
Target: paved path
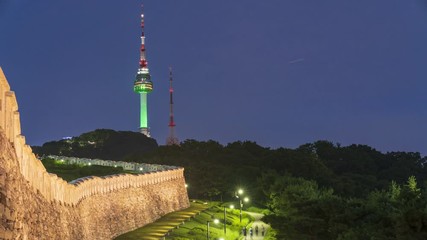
pixel 258 223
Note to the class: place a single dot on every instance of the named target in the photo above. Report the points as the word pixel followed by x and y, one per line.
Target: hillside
pixel 214 169
pixel 102 144
pixel 319 190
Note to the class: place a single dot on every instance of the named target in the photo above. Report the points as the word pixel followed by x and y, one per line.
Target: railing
pixel 130 166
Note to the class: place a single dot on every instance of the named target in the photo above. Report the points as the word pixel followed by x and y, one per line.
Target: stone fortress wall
pixel 35 204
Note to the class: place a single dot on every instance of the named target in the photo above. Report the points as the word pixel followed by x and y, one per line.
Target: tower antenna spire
pixel 172 139
pixel 142 84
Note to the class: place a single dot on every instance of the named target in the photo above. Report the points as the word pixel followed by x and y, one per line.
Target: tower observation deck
pixel 142 84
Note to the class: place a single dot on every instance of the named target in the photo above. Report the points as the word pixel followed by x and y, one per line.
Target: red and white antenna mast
pixel 172 139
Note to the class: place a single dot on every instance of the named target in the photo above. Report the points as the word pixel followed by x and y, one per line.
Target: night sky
pixel 281 73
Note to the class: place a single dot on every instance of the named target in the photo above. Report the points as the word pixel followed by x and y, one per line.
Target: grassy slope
pixel 164 224
pixel 191 224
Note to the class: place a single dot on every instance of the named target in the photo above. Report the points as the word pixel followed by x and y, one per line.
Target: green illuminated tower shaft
pixel 143 84
pixel 143 124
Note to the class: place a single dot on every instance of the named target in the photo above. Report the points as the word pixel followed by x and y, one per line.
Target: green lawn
pixel 70 172
pixel 191 224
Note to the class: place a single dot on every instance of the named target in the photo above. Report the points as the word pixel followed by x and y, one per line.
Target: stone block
pixel 2 178
pixel 18 225
pixel 6 213
pixel 6 235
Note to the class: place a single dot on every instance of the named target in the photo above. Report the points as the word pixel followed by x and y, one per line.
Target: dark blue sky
pixel 281 73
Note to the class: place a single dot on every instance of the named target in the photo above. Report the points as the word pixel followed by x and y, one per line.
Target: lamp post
pixel 246 199
pixel 241 206
pixel 240 192
pixel 225 221
pixel 207 232
pixel 216 221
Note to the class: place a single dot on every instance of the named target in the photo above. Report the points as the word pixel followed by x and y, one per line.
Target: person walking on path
pixel 260 224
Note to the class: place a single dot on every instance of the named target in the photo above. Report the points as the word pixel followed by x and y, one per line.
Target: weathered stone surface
pixel 37 205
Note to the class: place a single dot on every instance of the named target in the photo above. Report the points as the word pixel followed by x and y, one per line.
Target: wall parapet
pixel 53 188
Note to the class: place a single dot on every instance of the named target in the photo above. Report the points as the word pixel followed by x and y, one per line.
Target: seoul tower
pixel 143 84
pixel 172 139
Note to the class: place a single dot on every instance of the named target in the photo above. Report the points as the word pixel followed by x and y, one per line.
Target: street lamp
pixel 216 221
pixel 246 199
pixel 225 218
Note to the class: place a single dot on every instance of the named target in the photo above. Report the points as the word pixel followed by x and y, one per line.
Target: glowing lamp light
pixel 216 221
pixel 186 185
pixel 231 206
pixel 240 191
pixel 140 169
pixel 246 199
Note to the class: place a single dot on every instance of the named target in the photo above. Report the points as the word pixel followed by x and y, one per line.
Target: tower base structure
pixel 172 141
pixel 145 131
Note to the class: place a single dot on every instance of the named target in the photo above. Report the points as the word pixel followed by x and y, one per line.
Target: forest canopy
pixel 319 190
